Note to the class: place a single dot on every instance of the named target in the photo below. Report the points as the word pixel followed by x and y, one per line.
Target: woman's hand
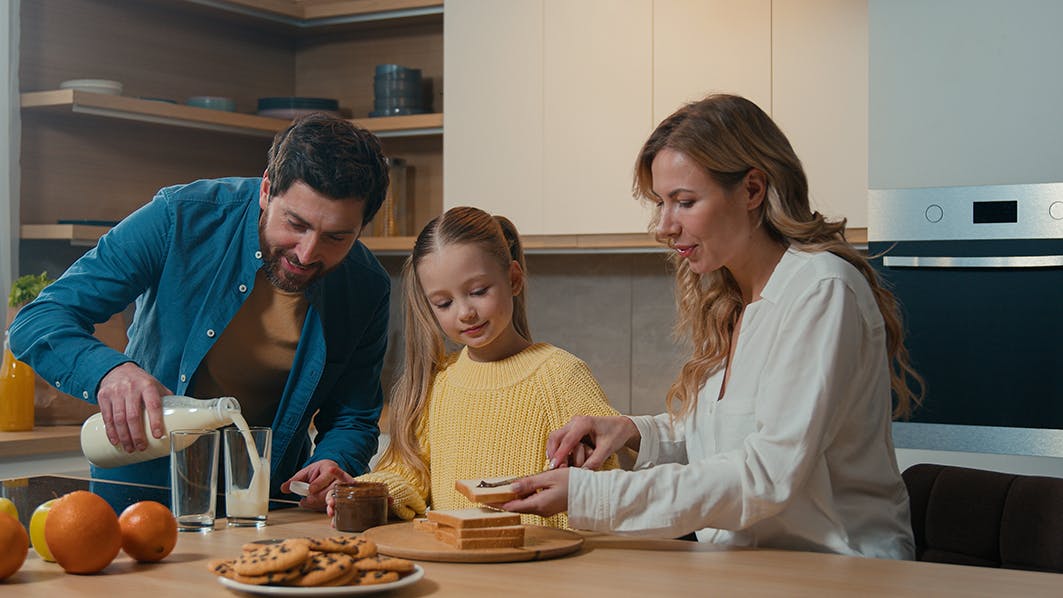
pixel 602 436
pixel 543 494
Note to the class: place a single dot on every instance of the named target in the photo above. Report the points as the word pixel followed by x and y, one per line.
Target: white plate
pixel 418 573
pixel 106 86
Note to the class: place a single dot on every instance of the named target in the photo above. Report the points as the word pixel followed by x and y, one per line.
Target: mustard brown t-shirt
pixel 253 356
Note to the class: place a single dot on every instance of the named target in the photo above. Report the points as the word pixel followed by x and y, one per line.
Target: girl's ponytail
pixel 516 253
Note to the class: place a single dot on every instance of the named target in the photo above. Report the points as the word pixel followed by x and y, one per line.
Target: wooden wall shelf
pixel 164 113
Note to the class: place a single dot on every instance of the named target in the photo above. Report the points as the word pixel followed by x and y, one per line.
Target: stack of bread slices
pixel 477 527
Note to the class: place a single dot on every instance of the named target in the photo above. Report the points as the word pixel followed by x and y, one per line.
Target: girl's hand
pixel 330 503
pixel 543 494
pixel 602 436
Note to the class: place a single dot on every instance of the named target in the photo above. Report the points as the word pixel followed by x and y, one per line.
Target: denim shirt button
pixel 57 385
pixel 243 288
pixel 183 378
pixel 84 394
pixel 210 332
pixel 258 255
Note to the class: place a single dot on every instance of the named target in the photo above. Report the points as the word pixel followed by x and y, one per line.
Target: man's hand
pixel 320 475
pixel 126 392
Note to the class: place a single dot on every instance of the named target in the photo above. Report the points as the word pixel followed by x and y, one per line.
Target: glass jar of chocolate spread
pixel 360 506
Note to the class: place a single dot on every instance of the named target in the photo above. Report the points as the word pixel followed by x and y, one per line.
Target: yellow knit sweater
pixel 492 419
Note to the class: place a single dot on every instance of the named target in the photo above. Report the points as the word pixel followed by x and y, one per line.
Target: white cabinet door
pixel 549 101
pixel 710 46
pixel 820 98
pixel 547 104
pixel 597 93
pixel 493 91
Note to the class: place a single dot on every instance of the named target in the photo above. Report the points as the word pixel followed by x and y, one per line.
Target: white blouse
pixel 798 453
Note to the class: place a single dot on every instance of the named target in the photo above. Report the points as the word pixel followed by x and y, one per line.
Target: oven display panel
pixel 996 212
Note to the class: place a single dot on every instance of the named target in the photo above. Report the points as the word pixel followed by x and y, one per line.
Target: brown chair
pixel 986 518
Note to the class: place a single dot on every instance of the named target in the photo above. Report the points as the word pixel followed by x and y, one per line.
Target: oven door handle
pixel 1013 261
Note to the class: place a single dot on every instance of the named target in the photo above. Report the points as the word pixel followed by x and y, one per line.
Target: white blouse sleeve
pixel 797 407
pixel 660 443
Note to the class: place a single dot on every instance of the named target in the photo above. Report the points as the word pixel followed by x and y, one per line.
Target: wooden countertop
pixel 607 566
pixel 42 440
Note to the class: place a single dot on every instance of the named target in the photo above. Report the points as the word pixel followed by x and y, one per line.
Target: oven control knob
pixel 1056 210
pixel 934 213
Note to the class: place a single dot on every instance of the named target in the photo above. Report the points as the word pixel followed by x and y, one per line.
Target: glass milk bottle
pixel 16 393
pixel 178 413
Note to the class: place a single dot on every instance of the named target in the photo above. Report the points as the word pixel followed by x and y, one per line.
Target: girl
pixel 778 428
pixel 485 411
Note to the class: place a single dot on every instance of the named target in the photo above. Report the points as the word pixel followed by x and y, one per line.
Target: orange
pixel 14 545
pixel 82 532
pixel 149 531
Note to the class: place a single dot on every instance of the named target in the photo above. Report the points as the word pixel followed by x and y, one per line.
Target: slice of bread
pixel 504 531
pixel 471 490
pixel 469 543
pixel 474 517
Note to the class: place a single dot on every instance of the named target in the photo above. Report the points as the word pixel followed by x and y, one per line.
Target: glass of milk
pixel 247 454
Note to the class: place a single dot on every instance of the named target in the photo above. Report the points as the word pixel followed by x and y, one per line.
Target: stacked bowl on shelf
pixel 397 90
pixel 213 103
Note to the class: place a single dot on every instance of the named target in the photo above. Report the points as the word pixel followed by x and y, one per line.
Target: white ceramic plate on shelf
pixel 105 86
pixel 418 573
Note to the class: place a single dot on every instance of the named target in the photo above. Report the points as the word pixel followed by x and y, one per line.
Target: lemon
pixel 8 506
pixel 37 530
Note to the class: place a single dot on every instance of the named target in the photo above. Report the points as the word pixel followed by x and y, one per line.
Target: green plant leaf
pixel 26 288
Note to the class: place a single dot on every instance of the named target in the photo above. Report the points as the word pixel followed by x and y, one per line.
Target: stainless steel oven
pixel 979 274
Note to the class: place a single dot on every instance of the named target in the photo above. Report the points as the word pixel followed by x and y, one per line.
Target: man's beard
pixel 273 270
pixel 284 281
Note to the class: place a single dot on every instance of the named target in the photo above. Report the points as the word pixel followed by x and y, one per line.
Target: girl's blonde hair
pixel 425 349
pixel 728 136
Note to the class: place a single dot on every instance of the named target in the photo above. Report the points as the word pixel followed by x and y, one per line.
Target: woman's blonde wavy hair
pixel 425 348
pixel 728 136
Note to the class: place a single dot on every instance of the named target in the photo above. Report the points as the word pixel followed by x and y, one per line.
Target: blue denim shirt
pixel 188 259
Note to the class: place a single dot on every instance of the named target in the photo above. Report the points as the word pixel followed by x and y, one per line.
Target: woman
pixel 778 427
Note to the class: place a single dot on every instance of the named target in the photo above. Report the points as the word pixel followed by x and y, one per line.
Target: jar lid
pixel 360 490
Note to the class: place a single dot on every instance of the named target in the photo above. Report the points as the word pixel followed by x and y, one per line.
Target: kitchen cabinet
pixel 549 101
pixel 710 46
pixel 93 157
pixel 588 79
pixel 492 54
pixel 819 73
pixel 597 106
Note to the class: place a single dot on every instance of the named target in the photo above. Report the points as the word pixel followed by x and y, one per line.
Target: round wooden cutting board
pixel 402 540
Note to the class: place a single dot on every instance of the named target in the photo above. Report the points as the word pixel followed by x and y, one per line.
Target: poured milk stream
pixel 252 501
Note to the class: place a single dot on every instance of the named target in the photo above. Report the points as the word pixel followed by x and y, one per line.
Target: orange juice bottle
pixel 16 393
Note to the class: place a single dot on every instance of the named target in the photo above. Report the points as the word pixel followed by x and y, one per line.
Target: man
pixel 245 287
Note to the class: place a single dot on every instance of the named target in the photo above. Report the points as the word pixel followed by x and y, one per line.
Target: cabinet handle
pixel 1013 261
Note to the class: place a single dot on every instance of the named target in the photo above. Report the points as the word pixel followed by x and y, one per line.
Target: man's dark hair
pixel 332 156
